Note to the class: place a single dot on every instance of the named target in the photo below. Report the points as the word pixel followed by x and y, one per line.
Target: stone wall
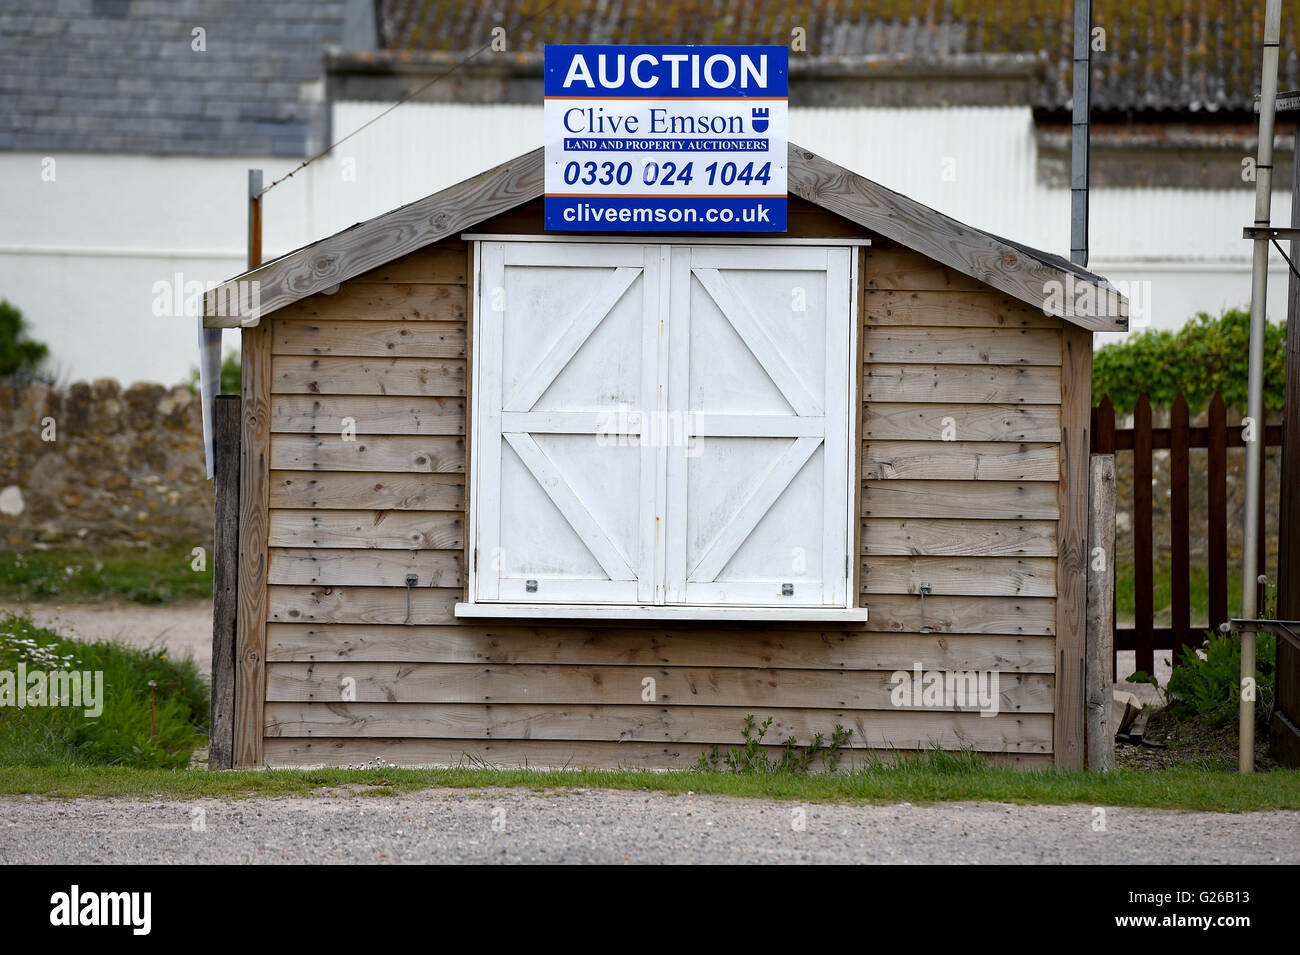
pixel 96 464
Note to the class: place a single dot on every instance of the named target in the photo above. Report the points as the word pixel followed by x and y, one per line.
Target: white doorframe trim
pixel 841 242
pixel 851 612
pixel 729 612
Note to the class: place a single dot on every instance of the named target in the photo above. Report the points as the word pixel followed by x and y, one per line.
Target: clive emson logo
pixel 23 688
pixel 103 908
pixel 946 689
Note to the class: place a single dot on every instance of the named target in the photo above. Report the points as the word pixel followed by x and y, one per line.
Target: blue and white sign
pixel 666 138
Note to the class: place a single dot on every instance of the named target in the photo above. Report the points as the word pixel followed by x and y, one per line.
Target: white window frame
pixel 514 608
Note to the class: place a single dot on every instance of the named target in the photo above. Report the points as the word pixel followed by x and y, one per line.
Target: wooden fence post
pixel 1099 671
pixel 1261 543
pixel 225 579
pixel 1143 609
pixel 1068 731
pixel 1217 465
pixel 254 503
pixel 1103 440
pixel 1180 528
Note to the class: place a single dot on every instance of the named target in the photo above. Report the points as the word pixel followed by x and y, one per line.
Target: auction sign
pixel 666 138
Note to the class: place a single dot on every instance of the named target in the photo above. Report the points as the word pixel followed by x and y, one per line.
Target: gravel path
pixel 598 826
pixel 184 627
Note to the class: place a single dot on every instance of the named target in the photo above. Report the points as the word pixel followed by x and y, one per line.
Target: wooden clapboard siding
pixel 372 568
pixel 367 449
pixel 948 614
pixel 403 453
pixel 972 310
pixel 947 537
pixel 962 435
pixel 961 461
pixel 976 384
pixel 441 263
pixel 983 500
pixel 894 267
pixel 618 685
pixel 399 530
pixel 945 345
pixel 975 517
pixel 900 421
pixel 340 375
pixel 383 301
pixel 359 604
pixel 974 576
pixel 380 491
pixel 1020 733
pixel 396 339
pixel 647 645
pixel 291 752
pixel 332 414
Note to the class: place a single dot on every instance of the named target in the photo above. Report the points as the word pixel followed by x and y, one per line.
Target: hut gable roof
pixel 1038 278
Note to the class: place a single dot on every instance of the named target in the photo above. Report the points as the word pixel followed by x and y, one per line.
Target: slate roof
pixel 121 75
pixel 1161 55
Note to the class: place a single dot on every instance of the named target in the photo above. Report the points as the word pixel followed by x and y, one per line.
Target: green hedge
pixel 1206 355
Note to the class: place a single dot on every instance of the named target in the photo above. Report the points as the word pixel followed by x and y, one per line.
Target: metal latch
pixel 925 589
pixel 530 586
pixel 411 581
pixel 787 590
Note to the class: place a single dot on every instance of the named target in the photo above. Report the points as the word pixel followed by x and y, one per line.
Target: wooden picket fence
pixel 1179 438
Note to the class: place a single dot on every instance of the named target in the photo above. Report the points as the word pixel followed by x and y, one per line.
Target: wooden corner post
pixel 225 579
pixel 254 495
pixel 1099 677
pixel 1072 547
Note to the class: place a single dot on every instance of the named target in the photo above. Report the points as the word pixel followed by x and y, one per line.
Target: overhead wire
pixel 405 99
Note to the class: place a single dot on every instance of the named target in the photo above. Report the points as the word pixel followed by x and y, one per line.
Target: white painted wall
pixel 81 254
pixel 1186 243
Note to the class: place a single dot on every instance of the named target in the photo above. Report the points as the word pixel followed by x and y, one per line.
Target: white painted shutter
pixel 567 359
pixel 759 361
pixel 660 424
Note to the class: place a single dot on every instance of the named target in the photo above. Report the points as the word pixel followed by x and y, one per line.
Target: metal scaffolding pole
pixel 1255 394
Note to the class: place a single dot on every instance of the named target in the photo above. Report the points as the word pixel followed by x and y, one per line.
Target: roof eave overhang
pixel 1078 296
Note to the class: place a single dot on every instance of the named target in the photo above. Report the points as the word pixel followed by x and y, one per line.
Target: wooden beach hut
pixel 584 500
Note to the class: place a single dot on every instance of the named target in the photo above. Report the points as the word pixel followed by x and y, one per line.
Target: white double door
pixel 661 424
